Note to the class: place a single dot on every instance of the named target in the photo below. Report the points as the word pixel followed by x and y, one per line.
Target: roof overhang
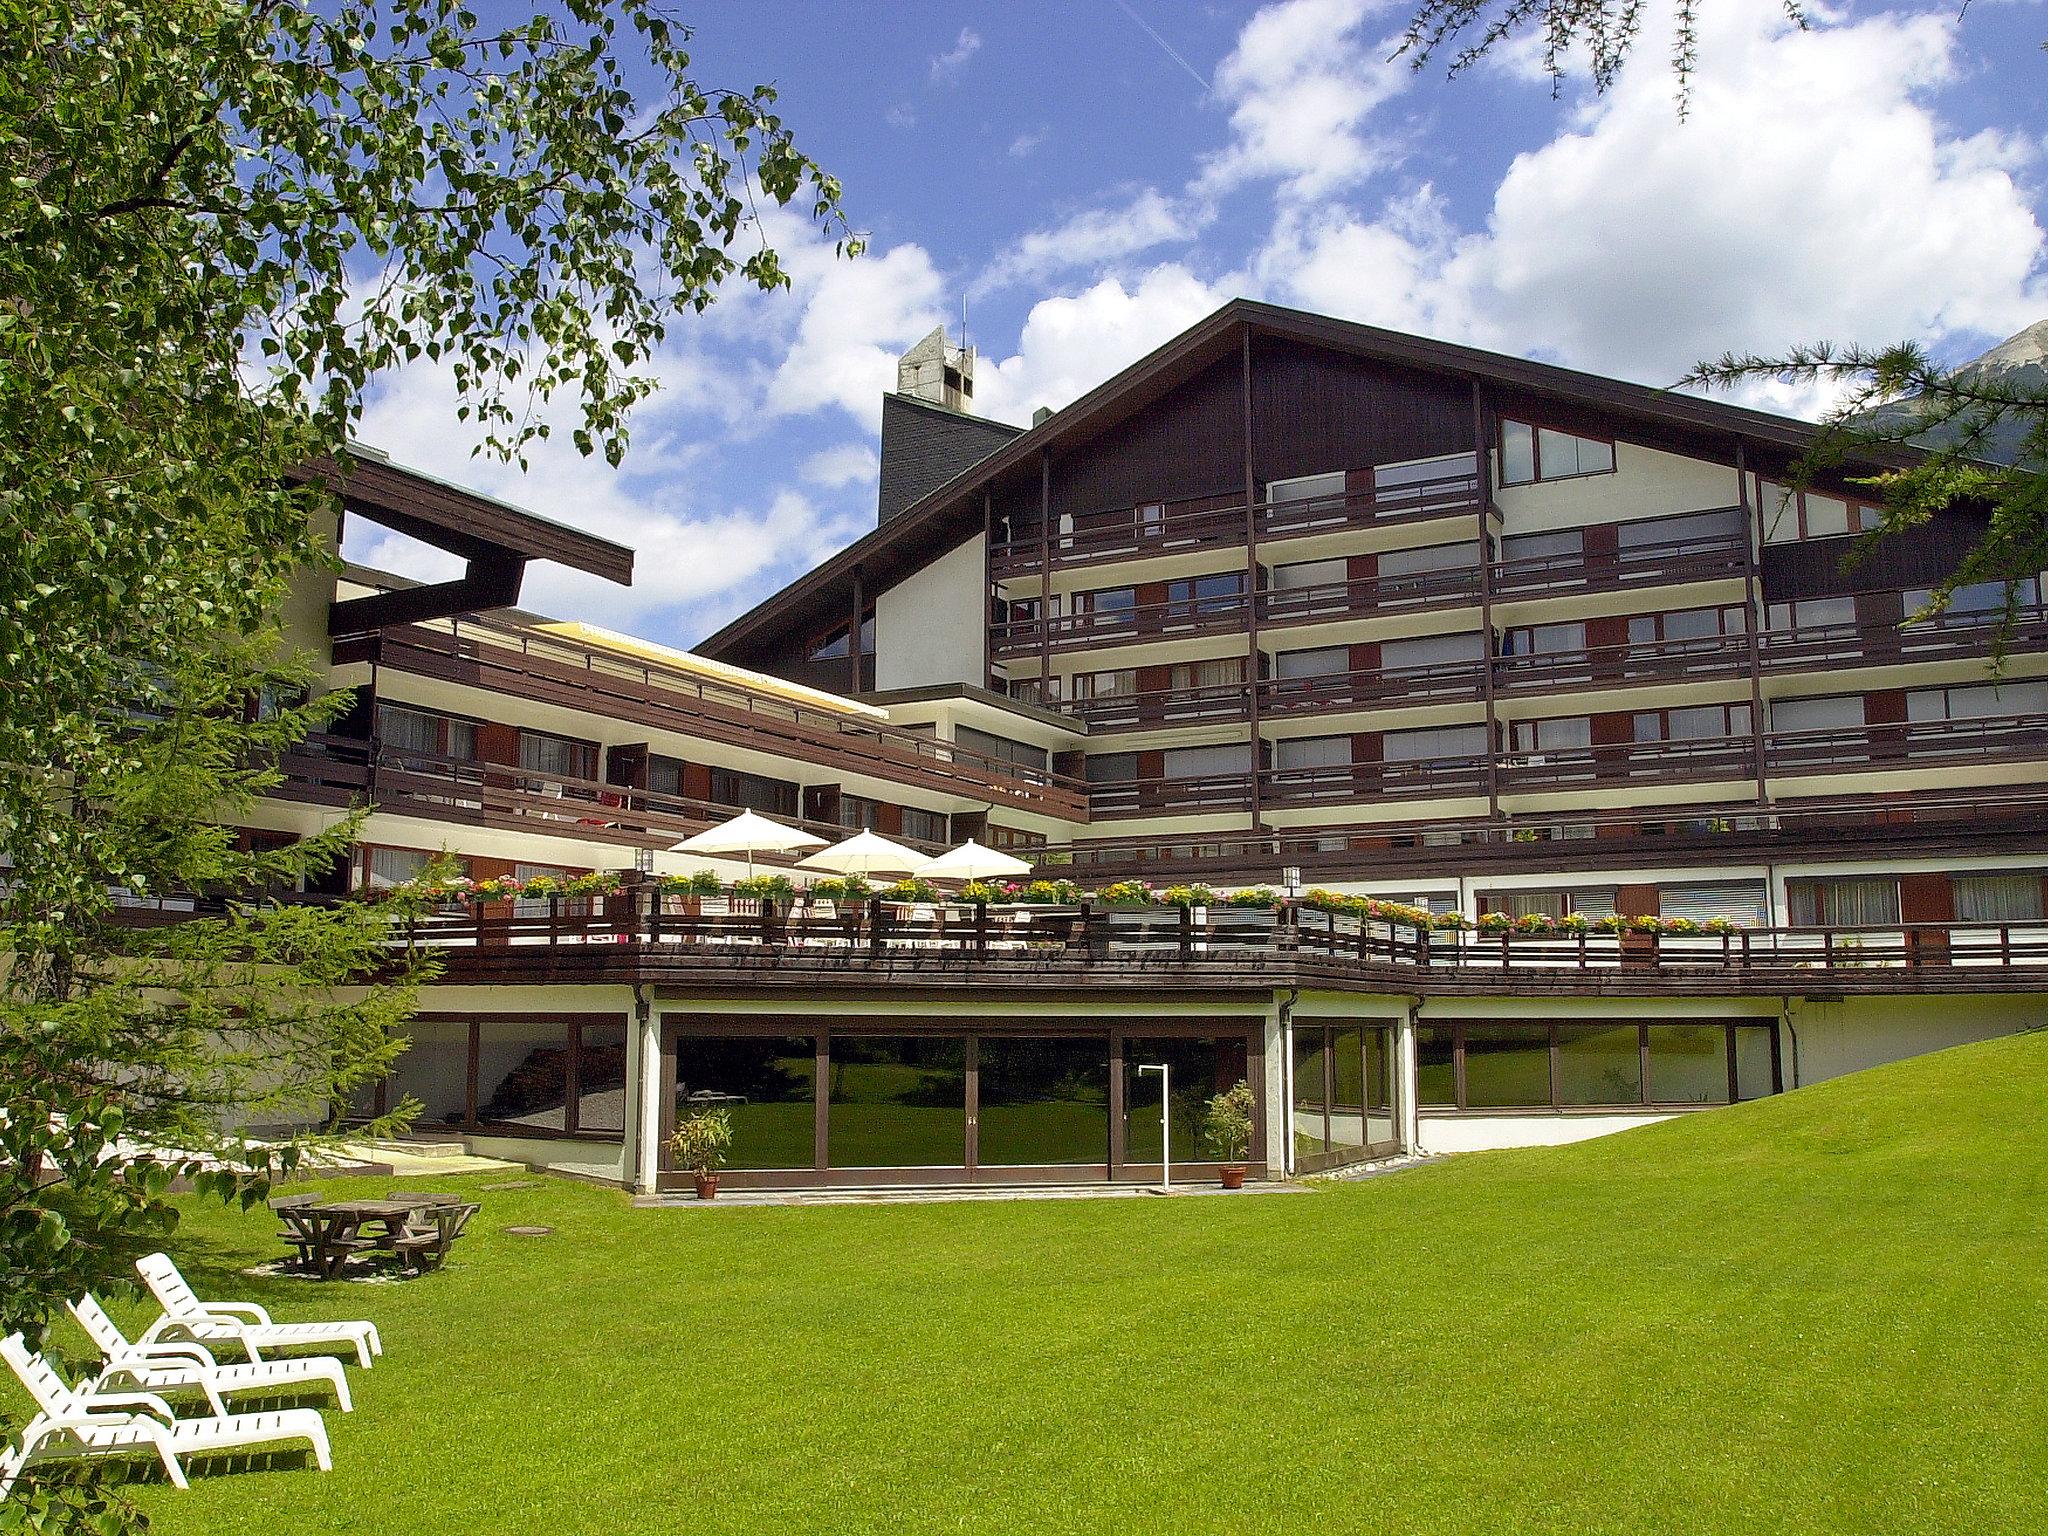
pixel 494 539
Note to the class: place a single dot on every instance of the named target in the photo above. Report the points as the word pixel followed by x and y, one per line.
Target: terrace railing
pixel 1945 635
pixel 1664 562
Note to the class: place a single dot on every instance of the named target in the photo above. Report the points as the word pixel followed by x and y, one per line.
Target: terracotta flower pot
pixel 1233 1175
pixel 707 1186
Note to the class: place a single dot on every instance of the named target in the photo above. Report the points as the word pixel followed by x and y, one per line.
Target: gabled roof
pixel 950 514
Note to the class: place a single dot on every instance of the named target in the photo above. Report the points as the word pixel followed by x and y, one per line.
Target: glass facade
pixel 434 1070
pixel 768 1084
pixel 1343 1082
pixel 1200 1069
pixel 1043 1100
pixel 897 1101
pixel 1619 1065
pixel 522 1074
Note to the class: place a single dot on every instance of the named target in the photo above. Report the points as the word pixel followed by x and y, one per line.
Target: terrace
pixel 639 934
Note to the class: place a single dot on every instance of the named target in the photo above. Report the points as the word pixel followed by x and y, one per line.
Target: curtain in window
pixel 1997 898
pixel 408 730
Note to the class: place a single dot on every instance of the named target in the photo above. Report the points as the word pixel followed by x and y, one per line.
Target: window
pixel 1833 712
pixel 1306 488
pixel 557 755
pixel 430 735
pixel 1221 673
pixel 1566 544
pixel 665 775
pixel 1558 735
pixel 1788 515
pixel 1443 741
pixel 1310 573
pixel 753 791
pixel 1217 593
pixel 1011 840
pixel 1016 754
pixel 1506 1066
pixel 388 867
pixel 1544 639
pixel 1432 651
pixel 857 813
pixel 1111 768
pixel 1702 722
pixel 1428 473
pixel 1107 600
pixel 768 1084
pixel 1983 597
pixel 1529 453
pixel 1685 624
pixel 1120 684
pixel 1330 661
pixel 538 906
pixel 1866 901
pixel 1312 752
pixel 1980 701
pixel 1208 762
pixel 1689 530
pixel 1430 557
pixel 1813 613
pixel 924 826
pixel 2013 898
pixel 833 646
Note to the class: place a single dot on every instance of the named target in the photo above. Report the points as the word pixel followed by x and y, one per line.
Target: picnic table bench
pixel 418 1228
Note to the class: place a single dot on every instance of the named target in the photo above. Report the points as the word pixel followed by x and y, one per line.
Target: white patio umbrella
pixel 866 854
pixel 971 861
pixel 749 834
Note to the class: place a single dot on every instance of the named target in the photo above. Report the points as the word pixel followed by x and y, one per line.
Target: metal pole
pixel 1165 1125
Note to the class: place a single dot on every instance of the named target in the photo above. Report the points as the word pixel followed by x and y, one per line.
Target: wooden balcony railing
pixel 518 663
pixel 639 930
pixel 1162 707
pixel 1211 522
pixel 1369 597
pixel 1667 562
pixel 1716 757
pixel 1168 796
pixel 1355 690
pixel 1914 742
pixel 1430 777
pixel 1939 638
pixel 1171 620
pixel 1635 661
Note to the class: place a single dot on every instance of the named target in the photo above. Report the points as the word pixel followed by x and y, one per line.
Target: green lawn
pixel 1825 1312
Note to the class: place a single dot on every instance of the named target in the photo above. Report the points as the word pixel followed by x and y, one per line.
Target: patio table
pixel 332 1231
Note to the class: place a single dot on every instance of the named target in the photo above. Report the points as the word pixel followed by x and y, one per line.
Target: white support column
pixel 1406 1066
pixel 645 1075
pixel 1279 1102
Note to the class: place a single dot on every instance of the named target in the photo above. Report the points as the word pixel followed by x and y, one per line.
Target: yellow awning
pixel 700 666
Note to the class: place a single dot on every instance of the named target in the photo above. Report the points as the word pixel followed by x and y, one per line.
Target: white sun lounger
pixel 238 1322
pixel 73 1424
pixel 178 1365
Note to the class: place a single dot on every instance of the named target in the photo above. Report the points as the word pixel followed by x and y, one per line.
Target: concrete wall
pixel 1645 483
pixel 929 627
pixel 1439 1134
pixel 586 1159
pixel 1829 1039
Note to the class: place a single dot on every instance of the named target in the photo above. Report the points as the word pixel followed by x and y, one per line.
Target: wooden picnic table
pixel 416 1227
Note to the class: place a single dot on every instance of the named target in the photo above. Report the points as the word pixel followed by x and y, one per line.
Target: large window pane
pixel 898 1101
pixel 1599 1064
pixel 601 1079
pixel 1044 1100
pixel 767 1083
pixel 1517 453
pixel 1507 1066
pixel 1379 1085
pixel 1309 1105
pixel 1997 898
pixel 522 1073
pixel 1754 1078
pixel 1201 1068
pixel 1435 1073
pixel 1347 1087
pixel 434 1070
pixel 1688 1064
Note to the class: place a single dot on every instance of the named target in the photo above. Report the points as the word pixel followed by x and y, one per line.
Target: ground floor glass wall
pixel 912 1105
pixel 1343 1093
pixel 1622 1064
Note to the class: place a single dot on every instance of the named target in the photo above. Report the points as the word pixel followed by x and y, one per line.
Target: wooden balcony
pixel 1161 707
pixel 1144 622
pixel 1193 524
pixel 1719 757
pixel 1669 562
pixel 638 936
pixel 1369 597
pixel 1943 637
pixel 1917 743
pixel 522 665
pixel 1170 796
pixel 1420 778
pixel 1630 663
pixel 1337 691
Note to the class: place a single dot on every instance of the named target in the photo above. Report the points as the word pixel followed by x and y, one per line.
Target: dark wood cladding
pixel 1316 411
pixel 1185 444
pixel 1835 568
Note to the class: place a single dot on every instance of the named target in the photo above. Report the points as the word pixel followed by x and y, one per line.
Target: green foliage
pixel 911 888
pixel 1125 893
pixel 765 888
pixel 1256 896
pixel 1047 893
pixel 698 882
pixel 985 891
pixel 836 888
pixel 700 1141
pixel 1188 896
pixel 220 222
pixel 1227 1122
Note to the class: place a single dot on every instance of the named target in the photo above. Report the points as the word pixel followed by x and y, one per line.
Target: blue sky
pixel 1089 194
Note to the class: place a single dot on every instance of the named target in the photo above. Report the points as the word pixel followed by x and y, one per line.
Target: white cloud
pixel 838 467
pixel 1093 237
pixel 1301 85
pixel 857 318
pixel 954 59
pixel 1072 343
pixel 901 115
pixel 1026 143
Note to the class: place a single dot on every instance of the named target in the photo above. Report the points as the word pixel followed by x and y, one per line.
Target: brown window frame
pixel 1460 1105
pixel 1536 430
pixel 574 1025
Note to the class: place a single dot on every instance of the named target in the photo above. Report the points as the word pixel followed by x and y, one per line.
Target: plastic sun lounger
pixel 75 1423
pixel 172 1366
pixel 238 1322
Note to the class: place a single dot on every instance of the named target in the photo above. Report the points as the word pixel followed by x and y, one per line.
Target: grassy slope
pixel 1818 1313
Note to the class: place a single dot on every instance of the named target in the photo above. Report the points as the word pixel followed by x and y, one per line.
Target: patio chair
pixel 72 1424
pixel 184 1366
pixel 220 1322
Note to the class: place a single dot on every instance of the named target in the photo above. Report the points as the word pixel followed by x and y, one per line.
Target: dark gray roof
pixel 925 445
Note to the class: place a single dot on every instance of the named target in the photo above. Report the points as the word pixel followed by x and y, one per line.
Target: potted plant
pixel 699 1145
pixel 1227 1122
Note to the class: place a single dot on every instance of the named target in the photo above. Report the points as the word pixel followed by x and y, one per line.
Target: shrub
pixel 1187 896
pixel 766 887
pixel 1054 893
pixel 598 882
pixel 1535 923
pixel 1263 896
pixel 1227 1122
pixel 1575 922
pixel 700 1140
pixel 912 889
